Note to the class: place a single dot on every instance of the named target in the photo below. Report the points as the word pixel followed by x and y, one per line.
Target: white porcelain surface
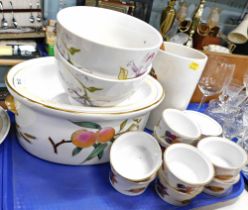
pixel 52 129
pixel 179 69
pixel 37 81
pixel 136 156
pixel 186 166
pixel 4 124
pixel 180 190
pixel 175 197
pixel 92 90
pixel 227 157
pixel 106 42
pixel 207 125
pixel 128 187
pixel 218 187
pixel 175 127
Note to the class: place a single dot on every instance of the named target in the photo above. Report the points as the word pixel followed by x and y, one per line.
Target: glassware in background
pixel 245 81
pixel 215 77
pixel 214 17
pixel 243 142
pixel 231 109
pixel 228 104
pixel 233 125
pixel 182 12
pixel 231 93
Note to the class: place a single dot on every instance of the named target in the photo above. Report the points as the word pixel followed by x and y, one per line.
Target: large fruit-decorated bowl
pixel 51 128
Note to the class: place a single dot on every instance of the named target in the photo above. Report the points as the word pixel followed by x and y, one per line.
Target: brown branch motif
pixel 55 146
pixel 26 136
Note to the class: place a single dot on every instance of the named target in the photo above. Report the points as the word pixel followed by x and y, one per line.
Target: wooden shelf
pixel 10 62
pixel 21 10
pixel 27 35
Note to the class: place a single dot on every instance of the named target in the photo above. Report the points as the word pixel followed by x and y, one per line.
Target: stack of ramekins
pixel 213 167
pixel 228 159
pixel 183 175
pixel 104 56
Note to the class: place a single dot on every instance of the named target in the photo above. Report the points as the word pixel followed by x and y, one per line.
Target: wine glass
pixel 214 78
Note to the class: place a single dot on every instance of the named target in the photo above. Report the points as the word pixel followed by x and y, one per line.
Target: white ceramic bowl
pixel 51 128
pixel 106 42
pixel 175 127
pixel 129 187
pixel 136 156
pixel 227 157
pixel 207 125
pixel 92 90
pixel 171 195
pixel 187 167
pixel 219 187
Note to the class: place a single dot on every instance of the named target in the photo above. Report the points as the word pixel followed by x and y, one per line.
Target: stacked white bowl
pixel 228 159
pixel 103 55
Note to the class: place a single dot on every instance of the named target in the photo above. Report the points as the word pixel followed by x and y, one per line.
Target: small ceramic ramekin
pixel 171 195
pixel 175 127
pixel 218 187
pixel 128 187
pixel 180 189
pixel 208 126
pixel 135 158
pixel 227 157
pixel 186 167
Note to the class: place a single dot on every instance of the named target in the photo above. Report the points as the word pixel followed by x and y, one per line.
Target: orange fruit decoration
pixel 83 138
pixel 105 135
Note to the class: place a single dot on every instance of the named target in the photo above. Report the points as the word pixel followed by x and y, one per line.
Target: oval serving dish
pixel 51 128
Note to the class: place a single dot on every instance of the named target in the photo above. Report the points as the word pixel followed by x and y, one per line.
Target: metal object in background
pixel 15 24
pixel 167 18
pixel 38 17
pixel 195 22
pixel 4 22
pixel 31 17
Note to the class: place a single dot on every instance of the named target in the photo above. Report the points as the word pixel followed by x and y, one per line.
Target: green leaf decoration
pixel 76 151
pixel 123 124
pixel 100 155
pixel 93 89
pixel 88 125
pixel 98 150
pixel 73 50
pixel 123 74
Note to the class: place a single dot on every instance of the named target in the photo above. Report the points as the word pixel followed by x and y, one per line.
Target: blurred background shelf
pixel 31 35
pixel 10 62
